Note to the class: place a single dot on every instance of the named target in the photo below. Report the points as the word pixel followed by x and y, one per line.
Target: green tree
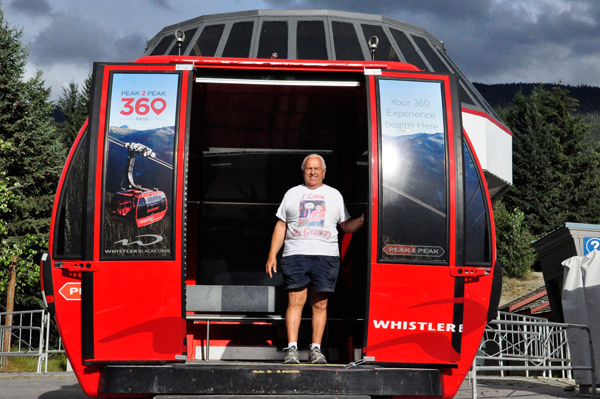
pixel 555 173
pixel 31 160
pixel 513 241
pixel 73 106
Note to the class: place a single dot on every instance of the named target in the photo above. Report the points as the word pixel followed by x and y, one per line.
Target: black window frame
pixel 82 150
pixel 346 45
pixel 407 49
pixel 235 47
pixel 162 46
pixel 303 27
pixel 216 30
pixel 481 188
pixel 267 36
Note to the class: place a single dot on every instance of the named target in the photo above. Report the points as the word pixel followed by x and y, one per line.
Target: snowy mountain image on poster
pixel 146 172
pixel 414 187
pixel 417 167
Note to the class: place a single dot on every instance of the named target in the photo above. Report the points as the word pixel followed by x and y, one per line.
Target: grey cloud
pixel 390 8
pixel 538 47
pixel 69 40
pixel 490 39
pixel 568 29
pixel 74 41
pixel 129 48
pixel 31 8
pixel 162 4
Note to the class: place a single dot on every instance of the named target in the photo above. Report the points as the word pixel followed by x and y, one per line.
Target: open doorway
pixel 246 145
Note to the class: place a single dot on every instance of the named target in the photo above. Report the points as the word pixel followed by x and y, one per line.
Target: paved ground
pixel 40 386
pixel 64 386
pixel 521 387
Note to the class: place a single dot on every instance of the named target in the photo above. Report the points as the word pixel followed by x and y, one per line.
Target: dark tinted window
pixel 477 236
pixel 189 34
pixel 385 51
pixel 346 42
pixel 467 91
pixel 69 233
pixel 273 39
pixel 408 51
pixel 310 41
pixel 430 55
pixel 208 41
pixel 413 187
pixel 464 95
pixel 152 205
pixel 162 47
pixel 240 38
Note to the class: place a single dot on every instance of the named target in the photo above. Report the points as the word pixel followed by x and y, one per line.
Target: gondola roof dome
pixel 342 36
pixel 315 35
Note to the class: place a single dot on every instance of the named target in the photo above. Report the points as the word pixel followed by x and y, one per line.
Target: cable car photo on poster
pixel 414 214
pixel 138 176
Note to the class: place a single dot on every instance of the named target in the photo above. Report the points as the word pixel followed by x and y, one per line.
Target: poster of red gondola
pixel 138 179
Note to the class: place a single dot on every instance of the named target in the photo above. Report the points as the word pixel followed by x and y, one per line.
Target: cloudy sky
pixel 492 41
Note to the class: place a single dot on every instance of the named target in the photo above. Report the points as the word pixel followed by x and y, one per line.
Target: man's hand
pixel 271 266
pixel 276 244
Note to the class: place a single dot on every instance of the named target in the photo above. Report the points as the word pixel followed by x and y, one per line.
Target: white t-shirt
pixel 312 216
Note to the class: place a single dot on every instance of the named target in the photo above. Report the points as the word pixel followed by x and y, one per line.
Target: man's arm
pixel 353 225
pixel 276 243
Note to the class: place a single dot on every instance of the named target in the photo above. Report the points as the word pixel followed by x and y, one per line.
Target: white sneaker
pixel 316 357
pixel 292 356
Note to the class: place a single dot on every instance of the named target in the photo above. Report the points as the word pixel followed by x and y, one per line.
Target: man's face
pixel 313 173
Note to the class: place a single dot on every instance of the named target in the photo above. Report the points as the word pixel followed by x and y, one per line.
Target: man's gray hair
pixel 313 156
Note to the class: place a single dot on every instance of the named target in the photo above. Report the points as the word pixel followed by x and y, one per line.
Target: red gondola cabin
pixel 175 300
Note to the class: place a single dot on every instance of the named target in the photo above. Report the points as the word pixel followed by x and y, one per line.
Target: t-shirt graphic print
pixel 312 213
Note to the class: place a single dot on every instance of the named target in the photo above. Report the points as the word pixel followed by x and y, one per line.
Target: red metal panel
pixel 411 306
pixel 138 304
pixel 410 314
pixel 137 316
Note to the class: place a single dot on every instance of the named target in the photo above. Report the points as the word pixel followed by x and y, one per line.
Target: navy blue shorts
pixel 318 272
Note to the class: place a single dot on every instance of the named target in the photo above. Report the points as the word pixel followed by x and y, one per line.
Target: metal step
pixel 247 378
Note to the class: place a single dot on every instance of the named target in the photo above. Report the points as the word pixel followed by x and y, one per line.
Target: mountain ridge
pixel 500 95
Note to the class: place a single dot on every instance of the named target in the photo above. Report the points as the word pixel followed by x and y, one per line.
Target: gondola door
pixel 133 304
pixel 415 303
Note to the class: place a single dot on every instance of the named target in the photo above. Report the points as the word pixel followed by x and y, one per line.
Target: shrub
pixel 513 241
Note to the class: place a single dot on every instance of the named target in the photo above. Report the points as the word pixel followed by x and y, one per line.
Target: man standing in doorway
pixel 308 219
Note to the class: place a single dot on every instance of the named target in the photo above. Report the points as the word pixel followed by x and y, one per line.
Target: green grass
pixel 56 362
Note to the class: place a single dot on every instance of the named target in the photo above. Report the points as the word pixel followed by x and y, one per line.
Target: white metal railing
pixel 514 342
pixel 27 334
pixel 48 350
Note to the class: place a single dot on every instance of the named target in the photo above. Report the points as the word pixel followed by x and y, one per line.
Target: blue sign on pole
pixel 590 244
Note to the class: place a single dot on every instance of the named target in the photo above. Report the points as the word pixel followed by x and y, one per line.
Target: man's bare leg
pixel 293 314
pixel 318 302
